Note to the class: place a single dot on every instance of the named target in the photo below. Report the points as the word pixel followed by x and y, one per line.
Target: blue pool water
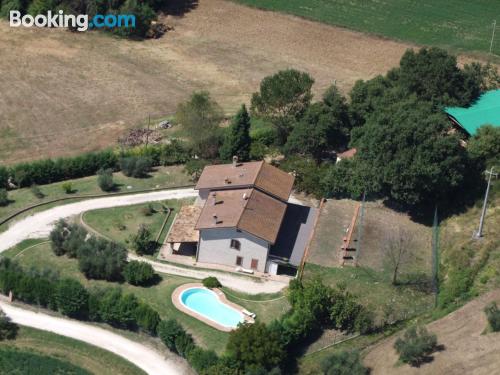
pixel 206 303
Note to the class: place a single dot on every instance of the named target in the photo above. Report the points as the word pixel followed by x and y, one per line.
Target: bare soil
pixel 467 350
pixel 64 93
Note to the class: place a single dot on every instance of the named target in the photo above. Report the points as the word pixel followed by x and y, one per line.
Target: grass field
pixel 120 223
pixel 457 24
pixel 158 296
pixel 64 93
pixel 162 177
pixel 90 358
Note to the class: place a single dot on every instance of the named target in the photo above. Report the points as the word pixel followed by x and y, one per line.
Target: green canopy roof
pixel 485 111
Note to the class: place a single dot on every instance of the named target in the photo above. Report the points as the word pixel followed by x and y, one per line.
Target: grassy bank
pixel 457 24
pixel 161 177
pixel 71 353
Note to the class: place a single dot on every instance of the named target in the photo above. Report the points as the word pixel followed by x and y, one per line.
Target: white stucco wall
pixel 214 247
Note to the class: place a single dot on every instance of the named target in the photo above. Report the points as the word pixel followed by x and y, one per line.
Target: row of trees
pixel 98 258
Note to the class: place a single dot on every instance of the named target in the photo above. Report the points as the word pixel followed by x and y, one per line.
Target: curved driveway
pixel 149 360
pixel 40 224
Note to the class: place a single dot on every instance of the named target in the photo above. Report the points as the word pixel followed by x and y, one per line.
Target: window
pixel 254 264
pixel 239 261
pixel 235 244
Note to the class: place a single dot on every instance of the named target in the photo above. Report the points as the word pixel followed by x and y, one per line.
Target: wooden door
pixel 254 264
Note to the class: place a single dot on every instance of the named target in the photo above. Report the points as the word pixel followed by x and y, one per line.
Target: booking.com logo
pixel 78 22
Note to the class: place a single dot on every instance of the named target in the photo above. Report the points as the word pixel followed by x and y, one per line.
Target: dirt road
pixel 148 359
pixel 467 349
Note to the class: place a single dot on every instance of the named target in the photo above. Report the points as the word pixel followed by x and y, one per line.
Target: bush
pixel 67 187
pixel 8 330
pixel 184 344
pixel 139 273
pixel 4 197
pixel 147 318
pixel 105 180
pixel 133 166
pixel 201 359
pixel 72 298
pixel 148 210
pixel 117 309
pixel 35 190
pixel 211 282
pixel 493 314
pixel 415 346
pixel 168 331
pixel 141 242
pixel 343 363
pixel 67 238
pixel 101 259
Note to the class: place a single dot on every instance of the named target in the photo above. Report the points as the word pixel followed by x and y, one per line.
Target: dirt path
pixel 467 350
pixel 148 359
pixel 63 93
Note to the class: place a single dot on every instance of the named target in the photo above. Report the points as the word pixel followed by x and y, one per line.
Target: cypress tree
pixel 238 140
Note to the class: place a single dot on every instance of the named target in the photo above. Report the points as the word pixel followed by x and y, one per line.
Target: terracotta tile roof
pixel 253 174
pixel 246 209
pixel 182 229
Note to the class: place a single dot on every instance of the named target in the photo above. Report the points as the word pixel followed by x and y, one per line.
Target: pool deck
pixel 176 300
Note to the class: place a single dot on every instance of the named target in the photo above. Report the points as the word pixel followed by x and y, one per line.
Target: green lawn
pixel 120 223
pixel 158 296
pixel 87 357
pixel 456 24
pixel 162 177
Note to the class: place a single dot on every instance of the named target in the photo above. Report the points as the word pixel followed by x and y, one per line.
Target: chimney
pixel 227 180
pixel 245 196
pixel 214 195
pixel 235 161
pixel 215 219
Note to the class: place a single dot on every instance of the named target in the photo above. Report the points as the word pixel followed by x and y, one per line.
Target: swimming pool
pixel 206 303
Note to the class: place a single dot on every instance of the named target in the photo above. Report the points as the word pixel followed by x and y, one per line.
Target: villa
pixel 242 219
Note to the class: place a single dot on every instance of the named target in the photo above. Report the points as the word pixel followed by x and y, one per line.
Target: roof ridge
pixel 252 191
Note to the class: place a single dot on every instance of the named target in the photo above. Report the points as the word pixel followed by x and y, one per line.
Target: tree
pixel 255 345
pixel 118 309
pixel 136 166
pixel 484 146
pixel 200 118
pixel 415 346
pixel 237 141
pixel 282 99
pixel 8 330
pixel 194 168
pixel 324 127
pixel 72 298
pixel 398 251
pixel 144 15
pixel 105 179
pixel 102 259
pixel 139 273
pixel 141 242
pixel 404 153
pixel 344 363
pixel 147 318
pixel 4 197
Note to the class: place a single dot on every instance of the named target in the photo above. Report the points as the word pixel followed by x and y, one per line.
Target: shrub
pixel 105 179
pixel 211 282
pixel 37 192
pixel 67 238
pixel 201 359
pixel 168 331
pixel 184 344
pixel 343 363
pixel 67 187
pixel 255 345
pixel 133 166
pixel 102 259
pixel 148 210
pixel 139 273
pixel 72 298
pixel 117 309
pixel 147 318
pixel 4 197
pixel 141 242
pixel 8 330
pixel 493 314
pixel 415 346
